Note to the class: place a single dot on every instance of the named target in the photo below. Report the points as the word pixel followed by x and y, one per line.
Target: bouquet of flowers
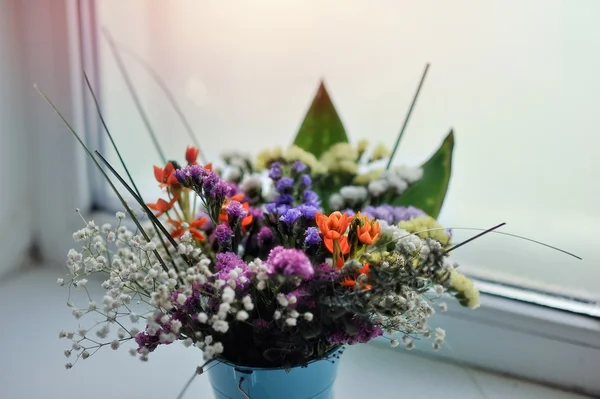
pixel 274 262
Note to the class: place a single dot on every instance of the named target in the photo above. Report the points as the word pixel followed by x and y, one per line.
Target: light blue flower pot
pixel 312 382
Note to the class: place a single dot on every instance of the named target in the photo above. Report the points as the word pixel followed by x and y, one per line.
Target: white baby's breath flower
pixel 133 352
pixel 277 315
pixel 60 281
pixel 220 326
pixel 85 355
pixel 443 307
pixel 202 317
pixel 308 316
pixel 242 315
pixel 394 343
pixel 336 202
pixel 114 345
pixel 290 321
pixel 187 342
pixel 67 353
pixel 283 301
pixel 120 215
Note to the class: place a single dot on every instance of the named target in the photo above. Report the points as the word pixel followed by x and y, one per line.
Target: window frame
pixel 515 332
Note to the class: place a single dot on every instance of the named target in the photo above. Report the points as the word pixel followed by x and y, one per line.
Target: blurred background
pixel 517 81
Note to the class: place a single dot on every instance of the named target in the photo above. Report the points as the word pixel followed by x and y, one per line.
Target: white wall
pixel 516 79
pixel 16 178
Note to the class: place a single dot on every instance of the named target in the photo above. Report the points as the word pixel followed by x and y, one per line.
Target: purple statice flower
pixel 220 190
pixel 223 235
pixel 286 199
pixel 228 261
pixel 285 185
pixel 264 236
pixel 311 198
pixel 326 272
pixel 290 216
pixel 235 211
pixel 209 181
pixel 276 209
pixel 381 212
pixel 145 340
pixel 289 262
pixel 275 171
pixel 305 181
pixel 298 166
pixel 190 175
pixel 231 268
pixel 308 211
pixel 256 213
pixel 366 332
pixel 261 323
pixel 349 212
pixel 312 236
pixel 406 213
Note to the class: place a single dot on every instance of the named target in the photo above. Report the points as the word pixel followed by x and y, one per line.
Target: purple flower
pixel 275 171
pixel 382 212
pixel 305 181
pixel 298 166
pixel 290 216
pixel 229 262
pixel 285 185
pixel 223 235
pixel 326 272
pixel 287 199
pixel 262 323
pixel 366 332
pixel 220 190
pixel 264 236
pixel 289 262
pixel 313 237
pixel 256 213
pixel 308 211
pixel 235 211
pixel 406 213
pixel 311 198
pixel 147 341
pixel 349 212
pixel 276 209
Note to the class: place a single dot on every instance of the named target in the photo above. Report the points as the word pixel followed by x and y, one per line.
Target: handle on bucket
pixel 242 390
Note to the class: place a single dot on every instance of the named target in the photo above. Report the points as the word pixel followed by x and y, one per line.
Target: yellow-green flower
pixel 420 224
pixel 380 152
pixel 295 153
pixel 265 157
pixel 362 146
pixel 465 288
pixel 367 178
pixel 341 157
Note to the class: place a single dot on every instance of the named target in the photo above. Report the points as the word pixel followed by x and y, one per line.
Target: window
pixel 515 80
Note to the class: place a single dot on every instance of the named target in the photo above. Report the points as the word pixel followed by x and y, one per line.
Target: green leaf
pixel 429 192
pixel 322 126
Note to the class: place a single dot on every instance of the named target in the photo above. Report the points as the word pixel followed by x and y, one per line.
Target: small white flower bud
pixel 290 321
pixel 242 315
pixel 394 343
pixel 308 316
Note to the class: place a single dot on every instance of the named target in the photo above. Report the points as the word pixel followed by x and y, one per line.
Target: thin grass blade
pixel 123 202
pixel 134 95
pixel 412 105
pixel 170 97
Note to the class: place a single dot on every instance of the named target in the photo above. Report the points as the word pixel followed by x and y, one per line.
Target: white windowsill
pixel 35 361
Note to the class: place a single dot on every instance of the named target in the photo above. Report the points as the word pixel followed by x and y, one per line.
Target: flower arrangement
pixel 274 262
pixel 264 282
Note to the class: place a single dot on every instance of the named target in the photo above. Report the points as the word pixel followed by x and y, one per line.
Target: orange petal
pixel 198 222
pixel 198 236
pixel 158 174
pixel 191 154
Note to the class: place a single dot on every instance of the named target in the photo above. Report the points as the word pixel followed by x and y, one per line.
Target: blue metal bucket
pixel 312 382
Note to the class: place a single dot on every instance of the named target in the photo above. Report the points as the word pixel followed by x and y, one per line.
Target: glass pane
pixel 517 80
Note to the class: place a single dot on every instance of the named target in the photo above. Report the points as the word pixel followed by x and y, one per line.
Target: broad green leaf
pixel 429 192
pixel 322 126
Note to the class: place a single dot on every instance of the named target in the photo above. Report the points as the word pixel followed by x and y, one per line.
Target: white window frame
pixel 528 335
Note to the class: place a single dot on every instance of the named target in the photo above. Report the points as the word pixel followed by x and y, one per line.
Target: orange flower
pixel 166 176
pixel 343 241
pixel 191 155
pixel 334 225
pixel 367 230
pixel 193 228
pixel 351 282
pixel 162 206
